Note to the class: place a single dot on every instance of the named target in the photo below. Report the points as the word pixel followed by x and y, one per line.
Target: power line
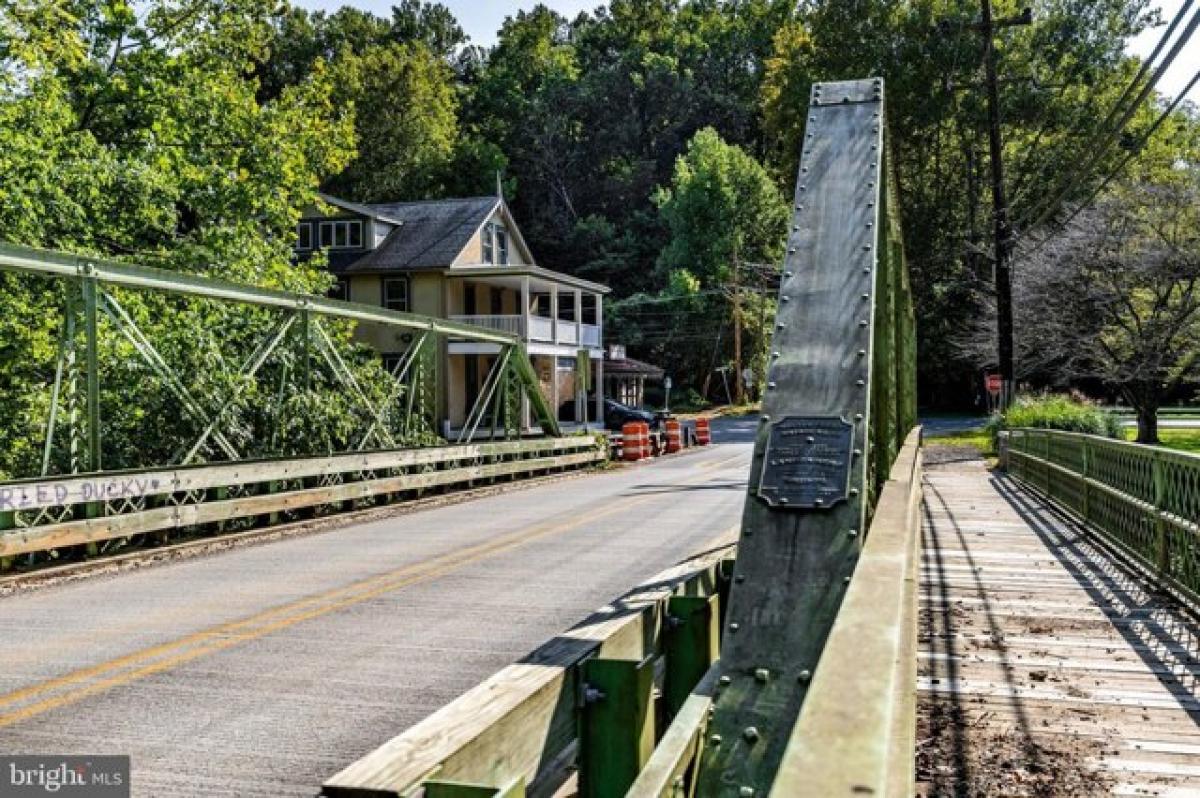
pixel 1137 149
pixel 1096 152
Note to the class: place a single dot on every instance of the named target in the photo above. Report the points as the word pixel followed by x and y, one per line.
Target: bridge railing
pixel 1144 499
pixel 47 514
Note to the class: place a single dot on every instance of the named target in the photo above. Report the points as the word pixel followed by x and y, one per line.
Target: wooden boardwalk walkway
pixel 1046 669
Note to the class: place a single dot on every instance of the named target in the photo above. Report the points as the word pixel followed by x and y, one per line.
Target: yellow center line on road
pixel 144 663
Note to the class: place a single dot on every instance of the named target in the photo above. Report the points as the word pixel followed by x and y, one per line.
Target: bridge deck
pixel 264 670
pixel 1045 667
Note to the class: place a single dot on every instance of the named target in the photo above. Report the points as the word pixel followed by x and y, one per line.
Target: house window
pixel 340 289
pixel 345 234
pixel 392 361
pixel 588 314
pixel 489 251
pixel 501 245
pixel 304 236
pixel 395 293
pixel 541 305
pixel 497 301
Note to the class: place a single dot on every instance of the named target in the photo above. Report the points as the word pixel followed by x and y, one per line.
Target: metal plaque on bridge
pixel 807 462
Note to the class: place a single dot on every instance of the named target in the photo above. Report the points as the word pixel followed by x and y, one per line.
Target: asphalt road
pixel 262 670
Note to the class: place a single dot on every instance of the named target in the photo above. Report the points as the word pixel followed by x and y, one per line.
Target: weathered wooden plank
pixel 31 494
pixel 89 530
pixel 1045 664
pixel 523 717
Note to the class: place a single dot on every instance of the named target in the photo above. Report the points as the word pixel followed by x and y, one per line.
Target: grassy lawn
pixel 980 440
pixel 1185 440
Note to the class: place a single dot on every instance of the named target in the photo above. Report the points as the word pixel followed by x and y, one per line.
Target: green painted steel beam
pixel 616 735
pixel 60 264
pixel 692 645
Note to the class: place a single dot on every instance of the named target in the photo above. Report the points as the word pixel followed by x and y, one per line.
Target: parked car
pixel 616 414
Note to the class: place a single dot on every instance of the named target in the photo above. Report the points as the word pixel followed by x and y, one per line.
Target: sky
pixel 482 18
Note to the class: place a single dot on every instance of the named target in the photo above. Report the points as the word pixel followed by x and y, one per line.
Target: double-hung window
pixel 341 234
pixel 304 238
pixel 395 293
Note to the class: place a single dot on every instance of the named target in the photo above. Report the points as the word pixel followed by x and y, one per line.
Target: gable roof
pixel 429 235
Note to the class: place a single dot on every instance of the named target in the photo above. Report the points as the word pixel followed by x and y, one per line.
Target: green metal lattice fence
pixel 1144 499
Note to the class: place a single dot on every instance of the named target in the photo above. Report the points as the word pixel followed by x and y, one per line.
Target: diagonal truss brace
pixel 129 328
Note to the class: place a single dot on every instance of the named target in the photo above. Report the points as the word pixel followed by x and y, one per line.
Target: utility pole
pixel 1003 232
pixel 739 390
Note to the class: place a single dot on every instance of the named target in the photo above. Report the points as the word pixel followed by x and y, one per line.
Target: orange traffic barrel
pixel 631 441
pixel 674 436
pixel 703 433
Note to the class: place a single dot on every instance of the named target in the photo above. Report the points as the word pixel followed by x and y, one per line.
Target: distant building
pixel 464 260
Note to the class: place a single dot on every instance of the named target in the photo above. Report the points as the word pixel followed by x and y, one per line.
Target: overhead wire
pixel 1064 188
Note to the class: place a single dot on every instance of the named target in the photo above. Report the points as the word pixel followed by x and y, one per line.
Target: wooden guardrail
pixel 588 695
pixel 43 514
pixel 856 730
pixel 1143 499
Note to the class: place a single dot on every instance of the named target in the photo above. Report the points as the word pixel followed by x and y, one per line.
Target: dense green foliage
pixel 1057 411
pixel 139 133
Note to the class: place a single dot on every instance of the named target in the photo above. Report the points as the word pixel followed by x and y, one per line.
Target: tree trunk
pixel 1147 421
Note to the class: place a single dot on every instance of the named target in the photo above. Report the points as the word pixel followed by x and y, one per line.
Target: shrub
pixel 1056 411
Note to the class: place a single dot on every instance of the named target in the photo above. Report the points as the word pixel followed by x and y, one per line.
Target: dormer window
pixel 341 234
pixel 502 245
pixel 489 251
pixel 495 244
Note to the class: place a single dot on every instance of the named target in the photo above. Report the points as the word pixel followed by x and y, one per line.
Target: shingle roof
pixel 430 237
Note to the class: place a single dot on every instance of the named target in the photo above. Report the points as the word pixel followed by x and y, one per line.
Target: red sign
pixel 993 383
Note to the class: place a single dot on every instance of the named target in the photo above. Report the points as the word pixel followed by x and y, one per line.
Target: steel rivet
pixel 866 247
pixel 787 274
pixel 858 416
pixel 791 250
pixel 780 326
pixel 862 353
pixel 746 792
pixel 853 533
pixel 817 502
pixel 725 680
pixel 805 676
pixel 739 578
pixel 860 383
pixel 795 228
pixel 870 224
pixel 762 675
pixel 751 735
pixel 766 418
pixel 770 385
pixel 845 580
pixel 784 500
pixel 804 188
pixel 858 452
pixel 862 323
pixel 715 739
pixel 733 627
pixel 866 297
pixel 785 299
pixel 854 491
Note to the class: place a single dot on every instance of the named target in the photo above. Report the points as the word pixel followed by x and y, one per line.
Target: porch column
pixel 598 382
pixel 554 311
pixel 578 318
pixel 526 330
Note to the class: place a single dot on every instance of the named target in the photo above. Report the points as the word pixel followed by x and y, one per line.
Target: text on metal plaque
pixel 807 462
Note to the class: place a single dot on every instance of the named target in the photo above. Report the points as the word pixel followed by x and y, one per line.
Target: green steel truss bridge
pixel 856 614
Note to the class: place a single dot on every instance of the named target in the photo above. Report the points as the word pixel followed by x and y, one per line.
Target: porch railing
pixel 508 324
pixel 540 328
